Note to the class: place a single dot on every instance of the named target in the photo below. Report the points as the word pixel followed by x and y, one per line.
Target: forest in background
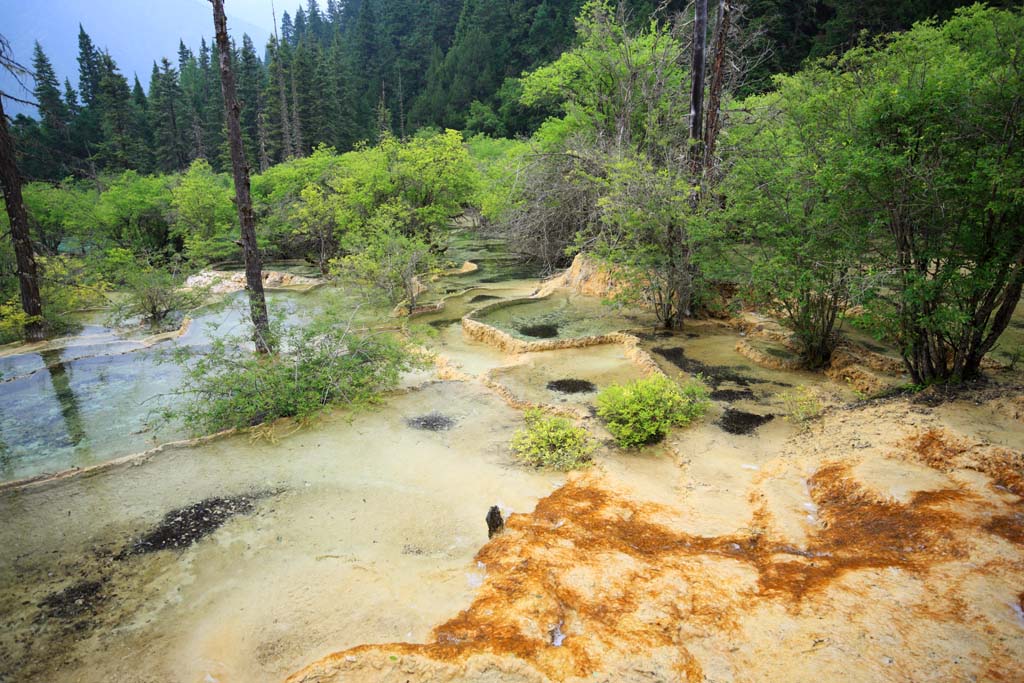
pixel 882 179
pixel 338 75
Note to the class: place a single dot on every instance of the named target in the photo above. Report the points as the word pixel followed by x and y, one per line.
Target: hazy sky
pixel 258 11
pixel 136 32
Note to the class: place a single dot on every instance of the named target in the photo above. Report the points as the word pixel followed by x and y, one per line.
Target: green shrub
pixel 802 404
pixel 552 442
pixel 642 412
pixel 154 298
pixel 314 368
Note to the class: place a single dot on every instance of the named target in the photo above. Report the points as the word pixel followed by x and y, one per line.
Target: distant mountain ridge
pixel 134 33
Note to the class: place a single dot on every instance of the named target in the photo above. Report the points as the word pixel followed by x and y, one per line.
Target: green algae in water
pixel 561 316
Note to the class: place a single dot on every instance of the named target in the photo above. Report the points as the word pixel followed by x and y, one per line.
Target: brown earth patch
pixel 941 450
pixel 592 578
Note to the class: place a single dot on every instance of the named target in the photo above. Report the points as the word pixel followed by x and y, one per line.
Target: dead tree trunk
pixel 28 278
pixel 286 119
pixel 240 170
pixel 697 68
pixel 296 121
pixel 717 82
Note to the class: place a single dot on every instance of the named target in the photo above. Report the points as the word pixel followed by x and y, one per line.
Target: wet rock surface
pixel 185 526
pixel 572 386
pixel 741 422
pixel 483 297
pixel 431 422
pixel 539 331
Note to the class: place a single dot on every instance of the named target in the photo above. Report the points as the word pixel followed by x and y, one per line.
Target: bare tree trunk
pixel 261 133
pixel 296 123
pixel 28 278
pixel 697 68
pixel 286 119
pixel 717 82
pixel 232 109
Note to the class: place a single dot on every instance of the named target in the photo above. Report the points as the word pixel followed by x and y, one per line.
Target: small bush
pixel 315 368
pixel 154 298
pixel 642 412
pixel 552 442
pixel 802 404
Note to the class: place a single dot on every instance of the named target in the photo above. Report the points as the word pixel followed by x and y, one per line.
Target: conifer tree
pixel 167 118
pixel 89 72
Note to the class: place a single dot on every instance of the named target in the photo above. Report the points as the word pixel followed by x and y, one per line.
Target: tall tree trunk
pixel 697 68
pixel 717 82
pixel 28 278
pixel 296 122
pixel 286 120
pixel 240 170
pixel 261 133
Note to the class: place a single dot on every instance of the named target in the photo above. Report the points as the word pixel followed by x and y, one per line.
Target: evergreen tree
pixel 184 55
pixel 278 117
pixel 53 111
pixel 70 98
pixel 120 147
pixel 287 30
pixel 167 118
pixel 250 88
pixel 300 27
pixel 89 68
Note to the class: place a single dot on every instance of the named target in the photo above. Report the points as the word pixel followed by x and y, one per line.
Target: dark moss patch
pixel 572 386
pixel 483 297
pixel 441 324
pixel 741 422
pixel 778 352
pixel 732 394
pixel 431 422
pixel 877 348
pixel 713 374
pixel 80 599
pixel 541 331
pixel 182 527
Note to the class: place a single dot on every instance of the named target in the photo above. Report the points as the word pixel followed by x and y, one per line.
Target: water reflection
pixel 70 409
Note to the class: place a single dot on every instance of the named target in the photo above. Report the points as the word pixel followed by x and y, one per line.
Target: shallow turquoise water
pixel 97 396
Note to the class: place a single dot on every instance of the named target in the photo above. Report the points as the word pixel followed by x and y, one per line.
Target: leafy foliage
pixel 642 412
pixel 552 442
pixel 204 217
pixel 315 367
pixel 388 259
pixel 154 298
pixel 802 404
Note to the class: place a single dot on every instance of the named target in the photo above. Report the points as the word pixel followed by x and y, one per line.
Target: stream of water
pixel 242 560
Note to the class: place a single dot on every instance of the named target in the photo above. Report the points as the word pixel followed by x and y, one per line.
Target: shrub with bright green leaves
pixel 642 412
pixel 552 442
pixel 314 368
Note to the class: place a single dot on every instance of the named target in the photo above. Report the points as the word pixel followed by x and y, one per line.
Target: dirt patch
pixel 539 331
pixel 741 422
pixel 943 451
pixel 483 297
pixel 75 601
pixel 572 386
pixel 441 324
pixel 611 581
pixel 1010 527
pixel 714 375
pixel 185 526
pixel 732 395
pixel 431 422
